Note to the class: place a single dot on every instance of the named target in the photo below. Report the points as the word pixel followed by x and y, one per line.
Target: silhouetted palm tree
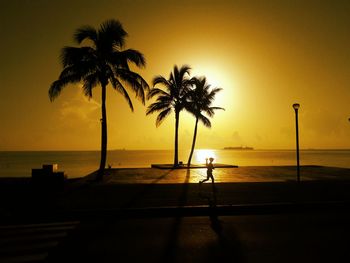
pixel 172 98
pixel 100 62
pixel 199 101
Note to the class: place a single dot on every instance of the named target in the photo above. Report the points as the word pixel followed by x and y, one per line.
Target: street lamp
pixel 296 107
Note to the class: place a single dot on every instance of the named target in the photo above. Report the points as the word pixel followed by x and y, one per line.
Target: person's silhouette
pixel 210 168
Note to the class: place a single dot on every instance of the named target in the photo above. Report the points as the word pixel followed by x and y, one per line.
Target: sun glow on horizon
pixel 201 154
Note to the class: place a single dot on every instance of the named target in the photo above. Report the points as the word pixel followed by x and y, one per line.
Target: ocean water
pixel 81 163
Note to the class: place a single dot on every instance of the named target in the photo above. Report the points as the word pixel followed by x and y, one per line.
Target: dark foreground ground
pixel 252 214
pixel 289 237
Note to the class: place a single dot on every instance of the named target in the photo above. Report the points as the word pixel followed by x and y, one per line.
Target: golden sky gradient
pixel 266 55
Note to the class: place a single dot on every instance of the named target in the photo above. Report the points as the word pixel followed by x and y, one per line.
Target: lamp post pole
pixel 296 108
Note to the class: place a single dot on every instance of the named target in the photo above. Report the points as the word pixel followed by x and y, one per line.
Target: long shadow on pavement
pixel 230 248
pixel 148 188
pixel 173 242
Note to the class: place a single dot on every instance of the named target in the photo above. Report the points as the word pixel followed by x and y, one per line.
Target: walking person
pixel 210 168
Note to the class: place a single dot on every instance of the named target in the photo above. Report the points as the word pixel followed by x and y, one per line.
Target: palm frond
pixel 111 33
pixel 133 56
pixel 80 69
pixel 73 55
pixel 158 106
pixel 185 69
pixel 85 33
pixel 69 71
pixel 194 112
pixel 57 86
pixel 217 108
pixel 210 111
pixel 135 81
pixel 216 90
pixel 161 116
pixel 211 95
pixel 206 122
pixel 180 75
pixel 118 86
pixel 160 80
pixel 200 98
pixel 156 92
pixel 90 82
pixel 55 90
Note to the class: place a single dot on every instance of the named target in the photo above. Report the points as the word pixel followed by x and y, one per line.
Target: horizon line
pixel 125 149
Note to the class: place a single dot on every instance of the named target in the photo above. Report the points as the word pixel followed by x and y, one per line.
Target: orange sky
pixel 266 55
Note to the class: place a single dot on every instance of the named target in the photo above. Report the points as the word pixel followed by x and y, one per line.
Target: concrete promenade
pixel 250 214
pixel 149 189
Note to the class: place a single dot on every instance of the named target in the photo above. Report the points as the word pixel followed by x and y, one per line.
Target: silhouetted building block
pixel 50 168
pixel 48 178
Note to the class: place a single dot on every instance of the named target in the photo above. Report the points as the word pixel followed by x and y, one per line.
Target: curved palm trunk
pixel 193 143
pixel 176 158
pixel 103 135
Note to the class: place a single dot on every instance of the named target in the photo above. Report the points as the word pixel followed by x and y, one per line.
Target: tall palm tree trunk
pixel 176 158
pixel 193 144
pixel 103 135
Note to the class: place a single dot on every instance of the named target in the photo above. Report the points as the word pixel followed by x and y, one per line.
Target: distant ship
pixel 239 148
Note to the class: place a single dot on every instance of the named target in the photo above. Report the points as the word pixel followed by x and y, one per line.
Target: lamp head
pixel 296 106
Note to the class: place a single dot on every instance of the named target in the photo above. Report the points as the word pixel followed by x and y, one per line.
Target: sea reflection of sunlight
pixel 202 154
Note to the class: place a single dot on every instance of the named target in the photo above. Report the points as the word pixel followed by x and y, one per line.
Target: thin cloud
pixel 79 108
